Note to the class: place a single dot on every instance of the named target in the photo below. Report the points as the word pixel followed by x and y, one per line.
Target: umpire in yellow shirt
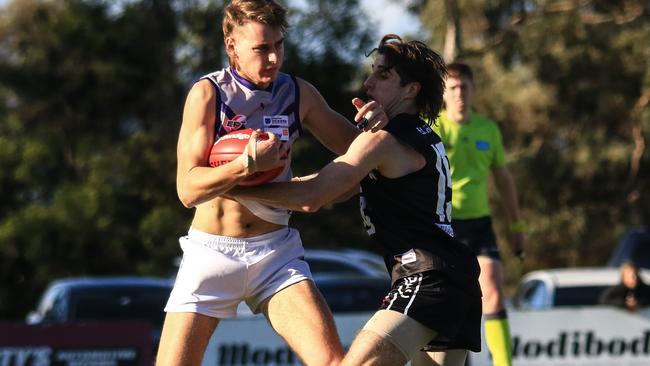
pixel 475 149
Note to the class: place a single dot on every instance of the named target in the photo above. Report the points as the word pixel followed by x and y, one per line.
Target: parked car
pixel 97 299
pixel 559 287
pixel 634 245
pixel 346 261
pixel 346 294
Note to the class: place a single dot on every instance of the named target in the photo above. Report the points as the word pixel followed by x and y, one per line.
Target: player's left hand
pixel 372 112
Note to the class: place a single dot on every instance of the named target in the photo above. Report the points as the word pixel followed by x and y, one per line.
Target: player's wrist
pixel 249 156
pixel 246 163
pixel 518 226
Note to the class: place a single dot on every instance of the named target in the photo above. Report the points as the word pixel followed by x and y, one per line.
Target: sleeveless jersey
pixel 410 216
pixel 241 104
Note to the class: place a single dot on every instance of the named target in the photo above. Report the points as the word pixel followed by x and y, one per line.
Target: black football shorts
pixel 438 303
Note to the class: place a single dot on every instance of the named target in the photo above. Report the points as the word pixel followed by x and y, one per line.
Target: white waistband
pixel 210 240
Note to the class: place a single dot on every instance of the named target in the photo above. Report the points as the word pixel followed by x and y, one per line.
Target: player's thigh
pixel 453 357
pixel 388 338
pixel 299 314
pixel 184 339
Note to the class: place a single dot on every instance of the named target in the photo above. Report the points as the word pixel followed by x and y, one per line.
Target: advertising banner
pixel 593 336
pixel 561 337
pixel 109 344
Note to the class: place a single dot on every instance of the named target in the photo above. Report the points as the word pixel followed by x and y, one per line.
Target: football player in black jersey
pixel 435 300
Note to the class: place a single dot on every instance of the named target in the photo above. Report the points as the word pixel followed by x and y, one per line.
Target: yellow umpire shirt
pixel 473 149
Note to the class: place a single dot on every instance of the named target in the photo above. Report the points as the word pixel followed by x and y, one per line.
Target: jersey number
pixel 370 227
pixel 443 205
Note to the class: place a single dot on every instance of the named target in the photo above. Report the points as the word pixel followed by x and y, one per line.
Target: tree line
pixel 91 96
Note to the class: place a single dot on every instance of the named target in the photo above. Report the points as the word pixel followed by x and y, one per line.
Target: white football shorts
pixel 218 272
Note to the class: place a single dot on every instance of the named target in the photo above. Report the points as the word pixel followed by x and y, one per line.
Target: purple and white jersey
pixel 241 104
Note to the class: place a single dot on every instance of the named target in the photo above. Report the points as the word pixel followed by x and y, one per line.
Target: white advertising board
pixel 576 337
pixel 562 337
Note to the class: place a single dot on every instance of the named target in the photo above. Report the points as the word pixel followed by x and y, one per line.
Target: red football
pixel 230 146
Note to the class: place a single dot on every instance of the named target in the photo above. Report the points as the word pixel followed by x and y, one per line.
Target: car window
pixel 376 265
pixel 354 297
pixel 128 303
pixel 321 265
pixel 46 303
pixel 533 295
pixel 55 307
pixel 578 296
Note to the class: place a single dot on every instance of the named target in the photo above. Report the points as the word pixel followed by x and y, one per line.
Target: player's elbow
pixel 309 208
pixel 186 197
pixel 187 201
pixel 312 203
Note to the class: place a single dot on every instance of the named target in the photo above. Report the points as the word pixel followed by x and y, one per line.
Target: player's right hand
pixel 269 153
pixel 371 112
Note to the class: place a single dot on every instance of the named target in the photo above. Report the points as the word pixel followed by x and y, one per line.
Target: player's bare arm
pixel 329 127
pixel 196 181
pixel 507 191
pixel 369 151
pixel 353 191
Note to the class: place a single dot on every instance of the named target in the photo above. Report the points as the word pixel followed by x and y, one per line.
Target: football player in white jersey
pixel 233 251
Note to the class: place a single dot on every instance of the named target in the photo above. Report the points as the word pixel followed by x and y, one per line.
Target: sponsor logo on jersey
pixel 482 145
pixel 276 121
pixel 235 123
pixel 278 125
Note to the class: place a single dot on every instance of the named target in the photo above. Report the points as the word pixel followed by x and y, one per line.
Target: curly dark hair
pixel 414 61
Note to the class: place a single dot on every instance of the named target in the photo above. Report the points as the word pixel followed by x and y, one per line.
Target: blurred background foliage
pixel 91 94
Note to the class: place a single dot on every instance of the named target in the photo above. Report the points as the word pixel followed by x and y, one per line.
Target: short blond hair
pixel 266 12
pixel 238 12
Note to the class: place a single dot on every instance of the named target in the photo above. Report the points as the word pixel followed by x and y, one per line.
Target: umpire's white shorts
pixel 219 272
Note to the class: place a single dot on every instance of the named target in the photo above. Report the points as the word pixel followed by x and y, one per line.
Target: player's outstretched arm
pixel 367 152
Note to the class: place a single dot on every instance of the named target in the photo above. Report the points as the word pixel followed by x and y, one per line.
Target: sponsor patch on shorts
pixel 408 257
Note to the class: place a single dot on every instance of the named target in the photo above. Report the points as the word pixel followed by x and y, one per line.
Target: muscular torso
pixel 227 217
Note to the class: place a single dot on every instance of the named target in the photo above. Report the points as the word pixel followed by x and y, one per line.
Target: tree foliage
pixel 569 82
pixel 91 96
pixel 90 113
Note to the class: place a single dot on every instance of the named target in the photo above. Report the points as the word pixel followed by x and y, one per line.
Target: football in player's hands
pixel 232 145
